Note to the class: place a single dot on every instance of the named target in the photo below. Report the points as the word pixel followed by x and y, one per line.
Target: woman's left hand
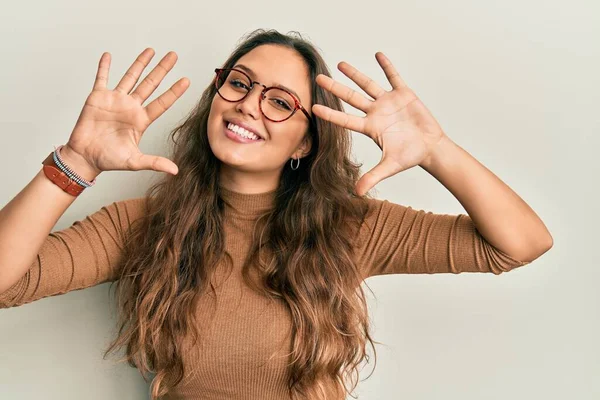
pixel 397 120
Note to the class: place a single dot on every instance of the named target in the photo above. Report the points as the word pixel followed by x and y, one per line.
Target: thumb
pixel 155 163
pixel 381 171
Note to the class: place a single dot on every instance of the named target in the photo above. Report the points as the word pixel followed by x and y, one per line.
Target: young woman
pixel 239 275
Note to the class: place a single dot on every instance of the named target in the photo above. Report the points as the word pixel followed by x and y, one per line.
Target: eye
pixel 282 103
pixel 238 83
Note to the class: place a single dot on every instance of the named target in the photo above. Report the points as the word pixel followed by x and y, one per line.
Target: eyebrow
pixel 277 85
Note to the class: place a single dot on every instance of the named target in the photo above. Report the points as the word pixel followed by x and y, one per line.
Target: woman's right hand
pixel 112 122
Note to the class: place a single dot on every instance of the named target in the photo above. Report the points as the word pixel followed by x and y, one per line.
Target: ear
pixel 304 148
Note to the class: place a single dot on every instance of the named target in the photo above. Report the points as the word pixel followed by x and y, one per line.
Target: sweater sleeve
pixel 394 239
pixel 85 254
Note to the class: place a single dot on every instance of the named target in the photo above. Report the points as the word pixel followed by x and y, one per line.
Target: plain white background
pixel 515 83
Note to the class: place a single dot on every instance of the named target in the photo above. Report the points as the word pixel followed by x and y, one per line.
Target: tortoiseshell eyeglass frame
pixel 297 105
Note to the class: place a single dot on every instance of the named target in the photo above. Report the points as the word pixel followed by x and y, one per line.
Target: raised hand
pixel 112 122
pixel 396 120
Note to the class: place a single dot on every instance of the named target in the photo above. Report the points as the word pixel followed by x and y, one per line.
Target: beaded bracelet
pixel 68 171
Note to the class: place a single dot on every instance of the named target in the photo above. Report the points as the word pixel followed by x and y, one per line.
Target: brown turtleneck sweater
pixel 232 360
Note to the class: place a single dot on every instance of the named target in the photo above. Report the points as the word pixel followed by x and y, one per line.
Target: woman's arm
pixel 397 239
pixel 499 214
pixel 27 219
pixel 409 135
pixel 89 252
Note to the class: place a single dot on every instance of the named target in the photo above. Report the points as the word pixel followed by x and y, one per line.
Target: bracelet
pixel 63 176
pixel 68 171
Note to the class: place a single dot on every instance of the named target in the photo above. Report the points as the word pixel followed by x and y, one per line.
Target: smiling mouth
pixel 241 132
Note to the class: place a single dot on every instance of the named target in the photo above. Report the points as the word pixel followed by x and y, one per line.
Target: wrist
pixel 78 164
pixel 437 153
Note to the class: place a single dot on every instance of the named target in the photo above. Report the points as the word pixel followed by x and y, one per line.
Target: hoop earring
pixel 292 163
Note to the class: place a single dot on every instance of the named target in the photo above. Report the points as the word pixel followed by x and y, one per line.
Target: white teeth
pixel 242 132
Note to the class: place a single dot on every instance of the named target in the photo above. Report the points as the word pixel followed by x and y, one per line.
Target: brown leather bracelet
pixel 59 178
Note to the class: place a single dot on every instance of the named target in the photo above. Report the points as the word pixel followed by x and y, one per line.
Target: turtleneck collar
pixel 249 205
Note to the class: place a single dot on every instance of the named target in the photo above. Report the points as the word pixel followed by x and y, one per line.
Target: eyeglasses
pixel 275 103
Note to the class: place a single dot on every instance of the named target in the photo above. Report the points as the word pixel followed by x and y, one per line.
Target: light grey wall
pixel 515 83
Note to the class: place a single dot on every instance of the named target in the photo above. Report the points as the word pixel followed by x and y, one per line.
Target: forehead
pixel 275 65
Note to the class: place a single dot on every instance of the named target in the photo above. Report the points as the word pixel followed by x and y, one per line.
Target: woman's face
pixel 270 65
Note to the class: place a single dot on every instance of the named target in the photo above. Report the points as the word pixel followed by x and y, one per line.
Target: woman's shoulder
pixel 373 207
pixel 136 204
pixel 133 205
pixel 121 213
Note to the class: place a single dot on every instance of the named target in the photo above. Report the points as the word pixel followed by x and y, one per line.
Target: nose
pixel 249 105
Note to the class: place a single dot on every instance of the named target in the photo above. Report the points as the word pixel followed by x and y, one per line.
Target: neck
pixel 248 182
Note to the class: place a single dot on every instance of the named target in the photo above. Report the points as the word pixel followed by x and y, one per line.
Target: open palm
pixel 396 120
pixel 112 122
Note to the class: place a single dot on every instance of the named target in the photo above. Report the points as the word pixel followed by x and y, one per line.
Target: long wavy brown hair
pixel 309 234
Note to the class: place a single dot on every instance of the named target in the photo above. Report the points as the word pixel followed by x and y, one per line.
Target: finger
pixel 381 171
pixel 132 75
pixel 151 82
pixel 364 82
pixel 345 93
pixel 150 162
pixel 342 119
pixel 390 72
pixel 166 100
pixel 102 73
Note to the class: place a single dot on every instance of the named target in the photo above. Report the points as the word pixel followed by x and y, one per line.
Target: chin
pixel 230 153
pixel 228 156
